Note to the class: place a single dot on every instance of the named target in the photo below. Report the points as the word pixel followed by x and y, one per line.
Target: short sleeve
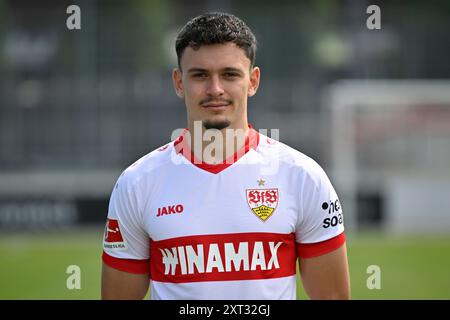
pixel 320 228
pixel 125 242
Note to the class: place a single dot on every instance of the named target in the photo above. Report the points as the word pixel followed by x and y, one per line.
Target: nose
pixel 214 87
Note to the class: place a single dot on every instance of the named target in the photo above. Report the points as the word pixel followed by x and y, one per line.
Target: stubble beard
pixel 216 124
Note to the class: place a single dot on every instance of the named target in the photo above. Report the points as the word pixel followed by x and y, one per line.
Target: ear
pixel 177 82
pixel 255 76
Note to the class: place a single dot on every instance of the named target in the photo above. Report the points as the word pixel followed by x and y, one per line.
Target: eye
pixel 200 75
pixel 231 74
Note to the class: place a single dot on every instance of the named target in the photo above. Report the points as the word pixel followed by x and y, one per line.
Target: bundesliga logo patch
pixel 113 238
pixel 263 202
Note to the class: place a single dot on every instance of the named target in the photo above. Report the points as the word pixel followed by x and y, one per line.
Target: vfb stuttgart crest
pixel 263 202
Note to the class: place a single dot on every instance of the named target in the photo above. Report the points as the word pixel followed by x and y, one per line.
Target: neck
pixel 215 146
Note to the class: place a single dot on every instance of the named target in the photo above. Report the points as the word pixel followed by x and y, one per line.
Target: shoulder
pixel 292 159
pixel 146 166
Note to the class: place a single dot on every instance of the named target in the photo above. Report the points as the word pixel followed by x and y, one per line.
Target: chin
pixel 218 124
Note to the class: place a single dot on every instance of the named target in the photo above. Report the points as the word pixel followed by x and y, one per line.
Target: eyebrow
pixel 228 69
pixel 192 70
pixel 233 70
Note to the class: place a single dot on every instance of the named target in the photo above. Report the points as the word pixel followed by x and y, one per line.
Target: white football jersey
pixel 226 231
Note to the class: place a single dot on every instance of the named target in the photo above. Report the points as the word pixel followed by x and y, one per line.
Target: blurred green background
pixel 34 266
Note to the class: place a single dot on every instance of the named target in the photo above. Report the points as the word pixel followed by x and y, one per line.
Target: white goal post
pixel 393 137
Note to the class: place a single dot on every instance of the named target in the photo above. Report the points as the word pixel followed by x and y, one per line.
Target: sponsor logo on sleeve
pixel 335 214
pixel 113 239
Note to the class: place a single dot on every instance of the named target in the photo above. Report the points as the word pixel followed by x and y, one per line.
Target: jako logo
pixel 170 209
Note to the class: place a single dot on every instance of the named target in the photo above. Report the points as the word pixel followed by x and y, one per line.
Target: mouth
pixel 216 106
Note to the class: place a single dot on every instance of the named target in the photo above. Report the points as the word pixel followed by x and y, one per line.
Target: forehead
pixel 215 57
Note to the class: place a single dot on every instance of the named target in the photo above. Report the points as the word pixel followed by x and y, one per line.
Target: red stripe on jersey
pixel 251 142
pixel 127 265
pixel 236 256
pixel 310 250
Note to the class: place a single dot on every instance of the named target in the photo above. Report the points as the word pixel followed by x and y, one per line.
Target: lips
pixel 216 105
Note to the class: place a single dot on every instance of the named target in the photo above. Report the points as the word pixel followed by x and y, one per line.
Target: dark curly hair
pixel 216 28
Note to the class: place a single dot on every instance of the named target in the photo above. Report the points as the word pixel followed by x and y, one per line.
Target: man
pixel 214 223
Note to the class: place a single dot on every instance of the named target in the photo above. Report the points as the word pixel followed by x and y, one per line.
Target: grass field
pixel 33 266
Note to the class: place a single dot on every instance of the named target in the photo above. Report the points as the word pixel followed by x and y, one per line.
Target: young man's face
pixel 215 82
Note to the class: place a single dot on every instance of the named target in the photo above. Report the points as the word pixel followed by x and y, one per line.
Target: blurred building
pixel 78 106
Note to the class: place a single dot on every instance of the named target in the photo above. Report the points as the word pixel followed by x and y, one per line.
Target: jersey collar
pixel 251 142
